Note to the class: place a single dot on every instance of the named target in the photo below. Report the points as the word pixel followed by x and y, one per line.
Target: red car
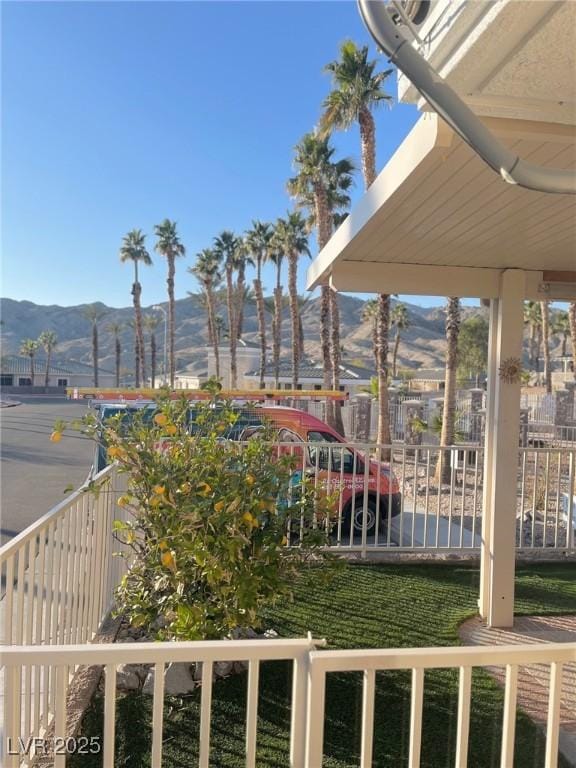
pixel 335 465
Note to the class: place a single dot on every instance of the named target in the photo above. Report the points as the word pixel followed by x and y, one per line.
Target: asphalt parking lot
pixel 34 471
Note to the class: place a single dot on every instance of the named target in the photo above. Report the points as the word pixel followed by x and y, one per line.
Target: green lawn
pixel 370 607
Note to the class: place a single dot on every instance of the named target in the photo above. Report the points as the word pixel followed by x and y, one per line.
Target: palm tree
pixel 357 91
pixel 241 260
pixel 443 469
pixel 277 258
pixel 28 348
pixel 318 182
pixel 572 319
pixel 560 325
pixel 115 329
pixel 48 341
pixel 93 314
pixel 258 241
pixel 545 315
pixel 401 321
pixel 169 246
pixel 151 322
pixel 226 246
pixel 133 249
pixel 383 437
pixel 207 271
pixel 533 319
pixel 292 240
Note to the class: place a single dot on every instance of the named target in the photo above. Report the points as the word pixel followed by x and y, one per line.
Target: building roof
pixel 309 369
pixel 16 364
pixel 436 204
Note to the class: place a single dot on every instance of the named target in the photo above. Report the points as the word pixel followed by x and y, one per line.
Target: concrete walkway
pixel 533 679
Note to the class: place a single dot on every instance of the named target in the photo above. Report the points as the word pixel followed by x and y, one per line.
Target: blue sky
pixel 119 114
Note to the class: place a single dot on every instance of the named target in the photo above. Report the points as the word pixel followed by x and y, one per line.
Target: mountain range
pixel 423 344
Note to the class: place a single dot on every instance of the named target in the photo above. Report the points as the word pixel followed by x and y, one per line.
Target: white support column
pixel 484 599
pixel 501 462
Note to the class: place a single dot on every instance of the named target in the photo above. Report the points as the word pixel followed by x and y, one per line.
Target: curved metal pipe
pixel 455 112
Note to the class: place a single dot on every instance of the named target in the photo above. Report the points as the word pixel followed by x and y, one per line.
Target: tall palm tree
pixel 226 246
pixel 169 246
pixel 48 341
pixel 443 469
pixel 133 249
pixel 242 259
pixel 560 326
pixel 401 321
pixel 572 319
pixel 382 321
pixel 277 258
pixel 545 315
pixel 258 241
pixel 358 89
pixel 151 323
pixel 207 271
pixel 318 179
pixel 93 314
pixel 28 348
pixel 377 312
pixel 115 329
pixel 292 240
pixel 533 319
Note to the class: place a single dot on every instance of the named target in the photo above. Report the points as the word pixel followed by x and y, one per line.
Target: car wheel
pixel 356 516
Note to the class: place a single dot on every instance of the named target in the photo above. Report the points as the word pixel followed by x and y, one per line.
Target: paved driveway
pixel 34 471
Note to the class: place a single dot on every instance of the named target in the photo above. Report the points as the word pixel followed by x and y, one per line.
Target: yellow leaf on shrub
pixel 219 506
pixel 171 429
pixel 163 544
pixel 250 480
pixel 247 517
pixel 123 501
pixel 160 490
pixel 168 561
pixel 204 489
pixel 161 419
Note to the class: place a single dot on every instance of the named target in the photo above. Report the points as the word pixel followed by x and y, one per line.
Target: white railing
pixel 310 669
pixel 418 660
pixel 58 581
pixel 61 660
pixel 546 499
pixel 398 502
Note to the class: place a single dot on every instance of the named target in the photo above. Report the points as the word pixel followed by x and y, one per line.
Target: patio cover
pixel 436 204
pixel 438 221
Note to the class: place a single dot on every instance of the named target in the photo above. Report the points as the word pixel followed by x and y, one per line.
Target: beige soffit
pixel 437 204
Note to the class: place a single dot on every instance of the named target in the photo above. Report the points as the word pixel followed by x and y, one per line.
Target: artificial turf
pixel 367 606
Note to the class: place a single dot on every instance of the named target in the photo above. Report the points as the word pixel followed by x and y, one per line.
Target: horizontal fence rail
pixel 58 580
pixel 59 660
pixel 310 670
pixel 556 656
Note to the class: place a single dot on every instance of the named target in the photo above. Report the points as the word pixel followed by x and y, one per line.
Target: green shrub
pixel 209 521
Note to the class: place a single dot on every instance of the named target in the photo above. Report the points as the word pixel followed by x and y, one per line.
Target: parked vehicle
pixel 365 489
pixel 340 468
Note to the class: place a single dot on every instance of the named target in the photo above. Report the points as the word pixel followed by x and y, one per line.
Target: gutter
pixel 446 102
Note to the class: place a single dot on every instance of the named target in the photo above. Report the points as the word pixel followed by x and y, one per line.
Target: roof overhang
pixel 438 221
